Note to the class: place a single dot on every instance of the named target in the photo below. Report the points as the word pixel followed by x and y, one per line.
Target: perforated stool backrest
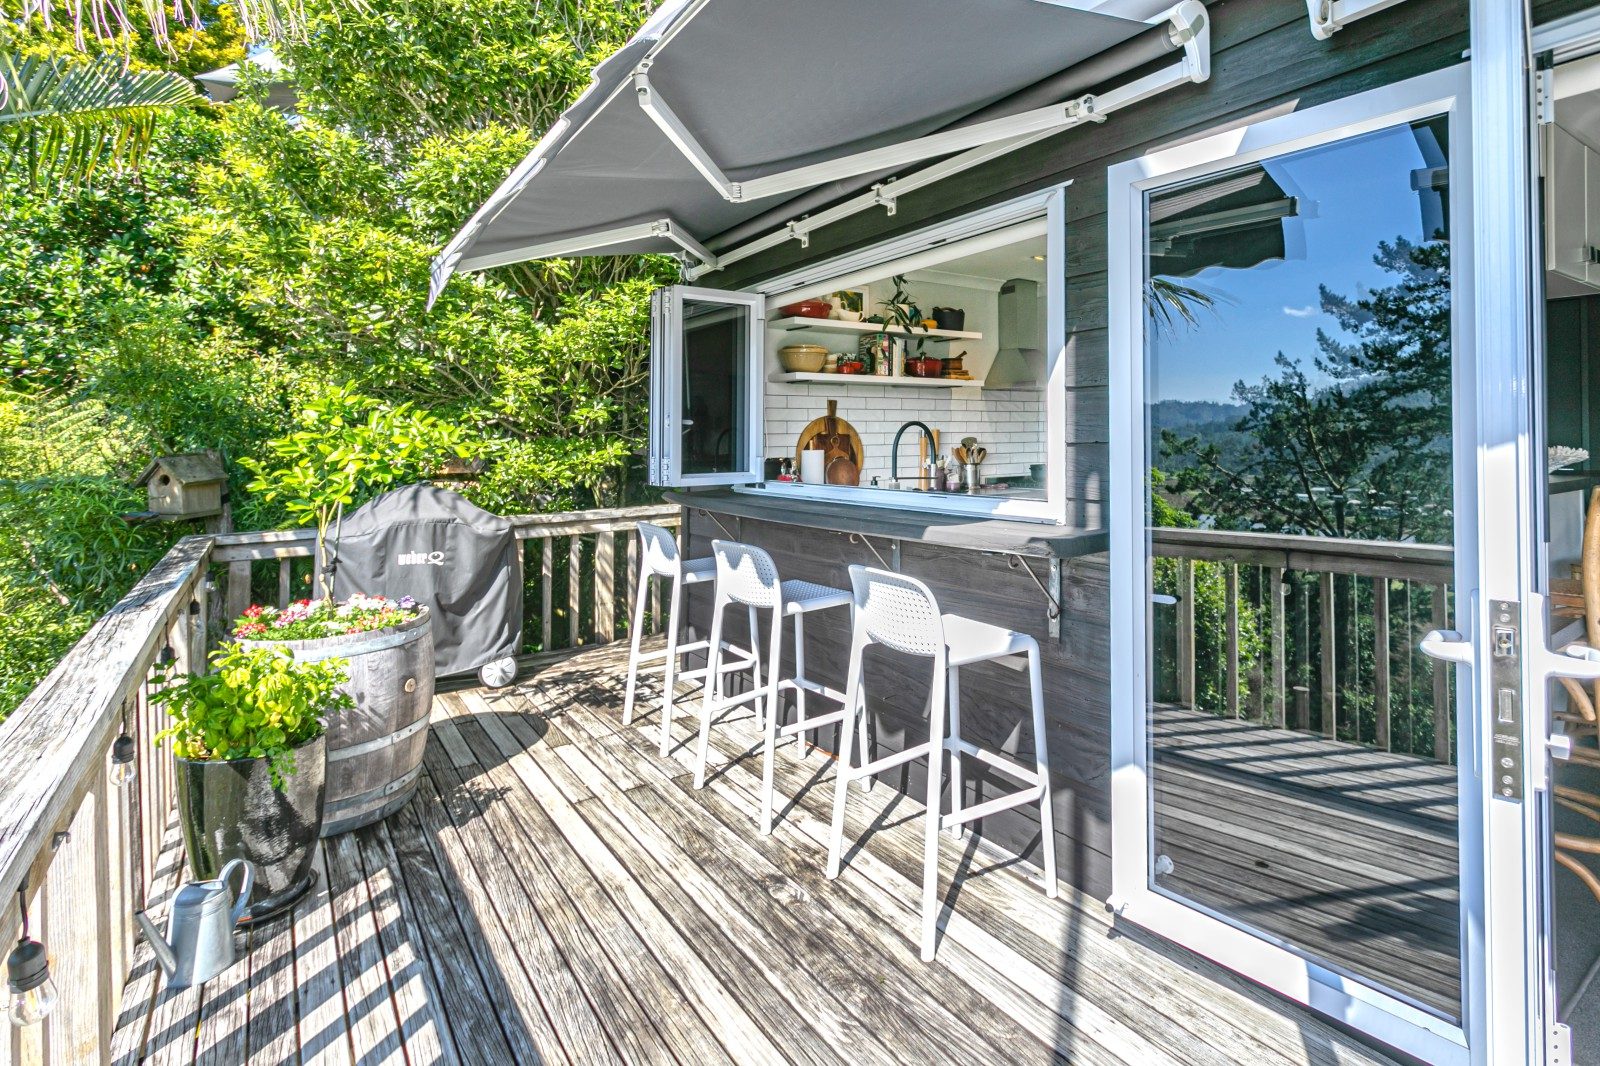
pixel 897 611
pixel 660 549
pixel 746 574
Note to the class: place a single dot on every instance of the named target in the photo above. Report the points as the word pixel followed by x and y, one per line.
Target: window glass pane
pixel 1300 511
pixel 716 360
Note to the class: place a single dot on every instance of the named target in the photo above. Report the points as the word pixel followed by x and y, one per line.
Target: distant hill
pixel 1208 420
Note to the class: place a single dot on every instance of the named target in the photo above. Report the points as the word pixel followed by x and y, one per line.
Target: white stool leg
pixel 956 795
pixel 867 780
pixel 755 653
pixel 930 833
pixel 770 740
pixel 710 690
pixel 802 738
pixel 841 785
pixel 1047 835
pixel 633 647
pixel 669 679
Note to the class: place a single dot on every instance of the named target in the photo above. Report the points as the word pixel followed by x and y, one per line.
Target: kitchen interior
pixel 1571 205
pixel 928 380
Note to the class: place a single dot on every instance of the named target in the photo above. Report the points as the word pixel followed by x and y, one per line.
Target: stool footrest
pixel 889 761
pixel 789 684
pixel 1026 774
pixel 812 722
pixel 988 807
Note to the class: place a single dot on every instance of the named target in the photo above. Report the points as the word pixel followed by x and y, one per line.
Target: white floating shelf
pixel 837 325
pixel 849 380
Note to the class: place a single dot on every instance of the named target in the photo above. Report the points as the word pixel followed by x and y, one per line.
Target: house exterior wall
pixel 1265 62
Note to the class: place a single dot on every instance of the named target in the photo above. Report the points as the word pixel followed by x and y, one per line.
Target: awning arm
pixel 589 242
pixel 1190 29
pixel 1330 16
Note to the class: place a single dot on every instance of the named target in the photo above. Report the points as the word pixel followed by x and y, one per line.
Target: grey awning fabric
pixel 765 88
pixel 1237 221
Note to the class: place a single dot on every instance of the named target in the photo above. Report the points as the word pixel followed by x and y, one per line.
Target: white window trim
pixel 666 387
pixel 1250 952
pixel 881 258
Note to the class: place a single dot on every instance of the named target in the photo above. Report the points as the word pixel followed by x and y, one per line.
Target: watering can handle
pixel 241 901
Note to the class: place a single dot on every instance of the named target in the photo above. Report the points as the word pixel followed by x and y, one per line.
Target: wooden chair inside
pixel 1583 723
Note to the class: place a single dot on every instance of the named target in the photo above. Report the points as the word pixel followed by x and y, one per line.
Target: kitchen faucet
pixel 894 449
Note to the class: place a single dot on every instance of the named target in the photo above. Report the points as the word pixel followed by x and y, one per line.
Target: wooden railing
pixel 82 850
pixel 1310 633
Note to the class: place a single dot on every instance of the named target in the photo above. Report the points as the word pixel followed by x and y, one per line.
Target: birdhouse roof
pixel 191 468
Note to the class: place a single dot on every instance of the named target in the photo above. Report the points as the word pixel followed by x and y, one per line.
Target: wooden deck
pixel 558 893
pixel 1347 852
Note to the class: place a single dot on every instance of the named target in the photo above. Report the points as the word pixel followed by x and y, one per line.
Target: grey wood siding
pixel 1264 63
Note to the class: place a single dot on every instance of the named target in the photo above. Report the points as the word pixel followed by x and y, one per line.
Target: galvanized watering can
pixel 199 940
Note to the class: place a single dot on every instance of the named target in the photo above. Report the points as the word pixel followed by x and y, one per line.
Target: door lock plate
pixel 1505 675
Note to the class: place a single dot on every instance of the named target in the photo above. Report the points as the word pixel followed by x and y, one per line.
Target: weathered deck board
pixel 558 892
pixel 1346 851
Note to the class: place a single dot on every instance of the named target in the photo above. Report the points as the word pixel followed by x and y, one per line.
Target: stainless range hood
pixel 1019 362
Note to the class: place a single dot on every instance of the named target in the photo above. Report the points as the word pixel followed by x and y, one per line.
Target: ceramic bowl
pixel 802 358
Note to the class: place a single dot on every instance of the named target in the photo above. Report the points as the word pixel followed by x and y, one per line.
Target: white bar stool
pixel 747 576
pixel 660 558
pixel 901 613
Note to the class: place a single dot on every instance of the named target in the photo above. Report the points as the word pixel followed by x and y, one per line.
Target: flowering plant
pixel 309 619
pixel 256 703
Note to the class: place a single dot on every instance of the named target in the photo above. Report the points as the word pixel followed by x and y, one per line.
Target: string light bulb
pixel 33 993
pixel 124 766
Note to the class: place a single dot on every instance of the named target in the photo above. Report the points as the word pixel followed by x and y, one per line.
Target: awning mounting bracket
pixel 1330 16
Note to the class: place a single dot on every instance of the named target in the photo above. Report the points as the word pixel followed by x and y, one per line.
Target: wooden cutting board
pixel 841 446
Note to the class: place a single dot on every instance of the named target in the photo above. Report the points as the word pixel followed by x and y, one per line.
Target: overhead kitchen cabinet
pixel 1572 216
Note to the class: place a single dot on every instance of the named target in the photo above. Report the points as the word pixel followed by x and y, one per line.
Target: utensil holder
pixel 972 478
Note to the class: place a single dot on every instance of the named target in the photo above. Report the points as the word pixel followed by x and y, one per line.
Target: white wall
pixel 1009 422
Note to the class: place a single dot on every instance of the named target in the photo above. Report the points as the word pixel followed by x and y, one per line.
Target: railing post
pixel 285 583
pixel 1278 619
pixel 1186 632
pixel 1330 672
pixel 605 587
pixel 1231 629
pixel 238 597
pixel 574 587
pixel 1380 661
pixel 547 579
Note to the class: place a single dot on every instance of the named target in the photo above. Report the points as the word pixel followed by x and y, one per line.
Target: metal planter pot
pixel 374 751
pixel 230 810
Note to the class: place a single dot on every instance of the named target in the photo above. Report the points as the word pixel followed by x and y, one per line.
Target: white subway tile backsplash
pixel 1010 423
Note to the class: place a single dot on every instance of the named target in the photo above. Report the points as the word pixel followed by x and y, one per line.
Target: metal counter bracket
pixel 894 551
pixel 1053 612
pixel 712 515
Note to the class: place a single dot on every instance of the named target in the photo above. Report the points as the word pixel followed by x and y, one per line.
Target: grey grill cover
pixel 457 558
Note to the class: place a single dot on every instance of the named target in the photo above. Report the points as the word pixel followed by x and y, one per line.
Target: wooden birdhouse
pixel 185 486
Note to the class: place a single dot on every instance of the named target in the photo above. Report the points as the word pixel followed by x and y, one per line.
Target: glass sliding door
pixel 1286 780
pixel 1298 412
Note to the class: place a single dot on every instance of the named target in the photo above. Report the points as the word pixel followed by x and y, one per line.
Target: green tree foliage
pixel 1359 446
pixel 255 262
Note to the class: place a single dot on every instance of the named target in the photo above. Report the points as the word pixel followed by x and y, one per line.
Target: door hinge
pixel 1558 1045
pixel 1544 96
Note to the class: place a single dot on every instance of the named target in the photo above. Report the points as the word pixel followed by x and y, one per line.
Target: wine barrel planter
pixel 374 751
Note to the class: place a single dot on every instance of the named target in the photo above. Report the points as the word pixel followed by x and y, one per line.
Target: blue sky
pixel 1353 194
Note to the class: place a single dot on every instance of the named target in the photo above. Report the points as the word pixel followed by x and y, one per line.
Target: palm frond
pixel 61 119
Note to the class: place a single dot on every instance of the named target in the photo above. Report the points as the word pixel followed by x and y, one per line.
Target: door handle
pixel 1447 645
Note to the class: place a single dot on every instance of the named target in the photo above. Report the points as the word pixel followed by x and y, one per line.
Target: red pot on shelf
pixel 807 309
pixel 925 367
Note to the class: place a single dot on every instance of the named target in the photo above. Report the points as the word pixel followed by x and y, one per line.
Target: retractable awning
pixel 718 111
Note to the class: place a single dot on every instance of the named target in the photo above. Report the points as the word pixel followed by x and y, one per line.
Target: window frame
pixel 666 387
pixel 886 258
